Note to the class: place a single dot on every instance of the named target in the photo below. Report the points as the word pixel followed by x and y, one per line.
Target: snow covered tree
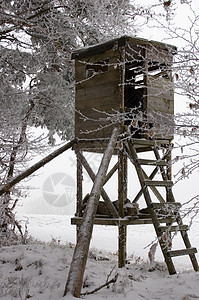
pixel 37 74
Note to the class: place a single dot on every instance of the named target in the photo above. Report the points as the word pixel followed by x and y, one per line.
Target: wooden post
pixel 77 268
pixel 122 229
pixel 79 176
pixel 122 195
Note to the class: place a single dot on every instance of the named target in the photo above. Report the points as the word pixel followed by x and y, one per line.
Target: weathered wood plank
pixel 87 108
pixel 158 183
pixel 110 55
pixel 150 142
pixel 102 105
pixel 159 87
pixel 101 120
pixel 94 131
pixel 83 82
pixel 174 228
pixel 143 219
pixel 139 194
pixel 92 144
pixel 98 91
pixel 161 105
pixel 157 205
pixel 152 162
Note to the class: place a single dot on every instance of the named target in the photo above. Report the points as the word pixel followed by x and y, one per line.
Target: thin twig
pixel 113 280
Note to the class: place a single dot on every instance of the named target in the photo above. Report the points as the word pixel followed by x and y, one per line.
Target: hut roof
pixel 122 41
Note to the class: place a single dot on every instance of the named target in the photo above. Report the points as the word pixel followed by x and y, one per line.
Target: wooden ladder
pixel 166 206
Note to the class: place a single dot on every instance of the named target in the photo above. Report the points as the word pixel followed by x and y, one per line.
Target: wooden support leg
pixel 79 176
pixel 79 184
pixel 122 196
pixel 122 231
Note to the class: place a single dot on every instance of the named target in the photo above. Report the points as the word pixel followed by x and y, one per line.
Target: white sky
pixel 181 20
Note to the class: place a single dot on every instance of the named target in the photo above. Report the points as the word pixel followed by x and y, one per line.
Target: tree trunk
pixel 77 268
pixel 6 187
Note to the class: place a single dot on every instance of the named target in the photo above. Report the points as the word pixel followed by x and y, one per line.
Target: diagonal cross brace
pixel 104 195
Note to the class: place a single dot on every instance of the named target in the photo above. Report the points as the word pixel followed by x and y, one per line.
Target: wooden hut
pixel 127 81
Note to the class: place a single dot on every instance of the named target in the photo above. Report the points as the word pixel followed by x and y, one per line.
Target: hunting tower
pixel 124 103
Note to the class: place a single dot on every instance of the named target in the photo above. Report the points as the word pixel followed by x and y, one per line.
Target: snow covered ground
pixel 39 270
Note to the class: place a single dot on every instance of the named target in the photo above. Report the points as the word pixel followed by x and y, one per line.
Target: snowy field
pixel 39 270
pixel 139 237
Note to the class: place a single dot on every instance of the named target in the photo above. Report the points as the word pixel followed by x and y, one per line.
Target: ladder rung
pixel 174 228
pixel 187 251
pixel 166 205
pixel 152 162
pixel 149 182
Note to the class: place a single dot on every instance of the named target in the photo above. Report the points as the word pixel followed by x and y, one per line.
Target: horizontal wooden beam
pixel 151 162
pixel 146 142
pixel 174 228
pixel 119 222
pixel 163 183
pixel 165 205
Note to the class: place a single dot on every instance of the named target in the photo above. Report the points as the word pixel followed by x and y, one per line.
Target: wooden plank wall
pixel 160 93
pixel 99 91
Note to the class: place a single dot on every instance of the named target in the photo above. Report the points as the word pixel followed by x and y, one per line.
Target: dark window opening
pixel 134 99
pixel 134 86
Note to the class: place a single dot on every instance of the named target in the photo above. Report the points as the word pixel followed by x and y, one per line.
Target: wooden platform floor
pixel 128 220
